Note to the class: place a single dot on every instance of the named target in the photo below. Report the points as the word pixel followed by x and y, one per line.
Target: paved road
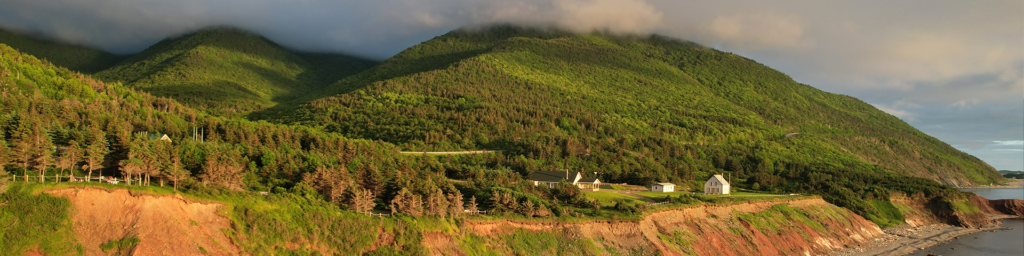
pixel 450 152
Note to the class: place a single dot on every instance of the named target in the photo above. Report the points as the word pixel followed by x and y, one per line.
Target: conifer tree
pixel 73 153
pixel 223 170
pixel 437 203
pixel 174 171
pixel 456 205
pixel 371 179
pixel 42 152
pixel 5 158
pixel 472 207
pixel 329 182
pixel 63 162
pixel 130 167
pixel 361 201
pixel 97 150
pixel 22 145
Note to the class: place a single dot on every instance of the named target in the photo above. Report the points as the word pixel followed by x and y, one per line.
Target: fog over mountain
pixel 951 68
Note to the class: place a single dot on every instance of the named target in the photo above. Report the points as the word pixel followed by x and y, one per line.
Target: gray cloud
pixel 951 68
pixel 376 29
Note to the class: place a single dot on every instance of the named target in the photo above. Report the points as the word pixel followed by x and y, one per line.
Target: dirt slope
pixel 164 225
pixel 780 227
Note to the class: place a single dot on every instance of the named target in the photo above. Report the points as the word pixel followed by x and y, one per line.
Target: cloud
pixel 758 32
pixel 902 114
pixel 620 16
pixel 1009 142
pixel 373 28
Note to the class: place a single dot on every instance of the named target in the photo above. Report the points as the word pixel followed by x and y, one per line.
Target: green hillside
pixel 230 72
pixel 82 59
pixel 633 109
pixel 317 181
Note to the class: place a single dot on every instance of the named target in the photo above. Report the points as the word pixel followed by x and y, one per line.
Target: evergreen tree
pixel 130 167
pixel 73 153
pixel 456 205
pixel 5 158
pixel 472 207
pixel 97 150
pixel 42 152
pixel 22 145
pixel 223 169
pixel 361 200
pixel 63 162
pixel 174 171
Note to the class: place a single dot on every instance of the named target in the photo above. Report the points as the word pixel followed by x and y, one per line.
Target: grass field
pixel 660 196
pixel 624 187
pixel 607 199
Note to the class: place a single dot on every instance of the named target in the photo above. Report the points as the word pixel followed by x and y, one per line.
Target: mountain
pixel 73 57
pixel 632 109
pixel 230 72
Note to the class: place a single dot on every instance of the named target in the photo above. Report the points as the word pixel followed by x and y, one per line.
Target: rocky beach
pixel 907 240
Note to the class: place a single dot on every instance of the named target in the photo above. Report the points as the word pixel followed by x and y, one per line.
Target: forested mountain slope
pixel 46 105
pixel 56 122
pixel 78 58
pixel 618 106
pixel 230 72
pixel 634 109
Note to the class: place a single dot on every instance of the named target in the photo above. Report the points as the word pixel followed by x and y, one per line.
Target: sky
pixel 952 69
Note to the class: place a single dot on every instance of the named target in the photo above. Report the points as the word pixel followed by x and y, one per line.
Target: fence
pixel 71 178
pixel 653 204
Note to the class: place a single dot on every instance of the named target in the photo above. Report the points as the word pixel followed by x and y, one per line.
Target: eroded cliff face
pixel 970 213
pixel 780 227
pixel 164 225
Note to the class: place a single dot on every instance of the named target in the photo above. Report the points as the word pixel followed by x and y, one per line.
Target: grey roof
pixel 720 179
pixel 666 184
pixel 590 180
pixel 552 176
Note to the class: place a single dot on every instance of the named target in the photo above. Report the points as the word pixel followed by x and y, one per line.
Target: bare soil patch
pixel 164 225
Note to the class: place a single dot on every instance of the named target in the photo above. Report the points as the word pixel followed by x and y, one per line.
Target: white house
pixel 159 136
pixel 716 185
pixel 663 187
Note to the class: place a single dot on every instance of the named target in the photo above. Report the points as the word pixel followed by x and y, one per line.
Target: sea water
pixel 998 242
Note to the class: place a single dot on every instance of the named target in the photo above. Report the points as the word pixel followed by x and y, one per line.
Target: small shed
pixel 663 187
pixel 716 185
pixel 589 184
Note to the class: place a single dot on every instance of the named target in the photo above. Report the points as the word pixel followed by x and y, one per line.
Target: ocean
pixel 999 242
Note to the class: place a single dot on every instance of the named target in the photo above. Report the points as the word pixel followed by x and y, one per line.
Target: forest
pixel 629 109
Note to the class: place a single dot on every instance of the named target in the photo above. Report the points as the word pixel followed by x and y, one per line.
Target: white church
pixel 716 185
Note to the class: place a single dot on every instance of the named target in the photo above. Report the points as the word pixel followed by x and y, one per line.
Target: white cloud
pixel 902 114
pixel 1009 142
pixel 759 31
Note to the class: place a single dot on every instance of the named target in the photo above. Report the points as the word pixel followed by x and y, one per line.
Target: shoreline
pixel 900 241
pixel 1013 183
